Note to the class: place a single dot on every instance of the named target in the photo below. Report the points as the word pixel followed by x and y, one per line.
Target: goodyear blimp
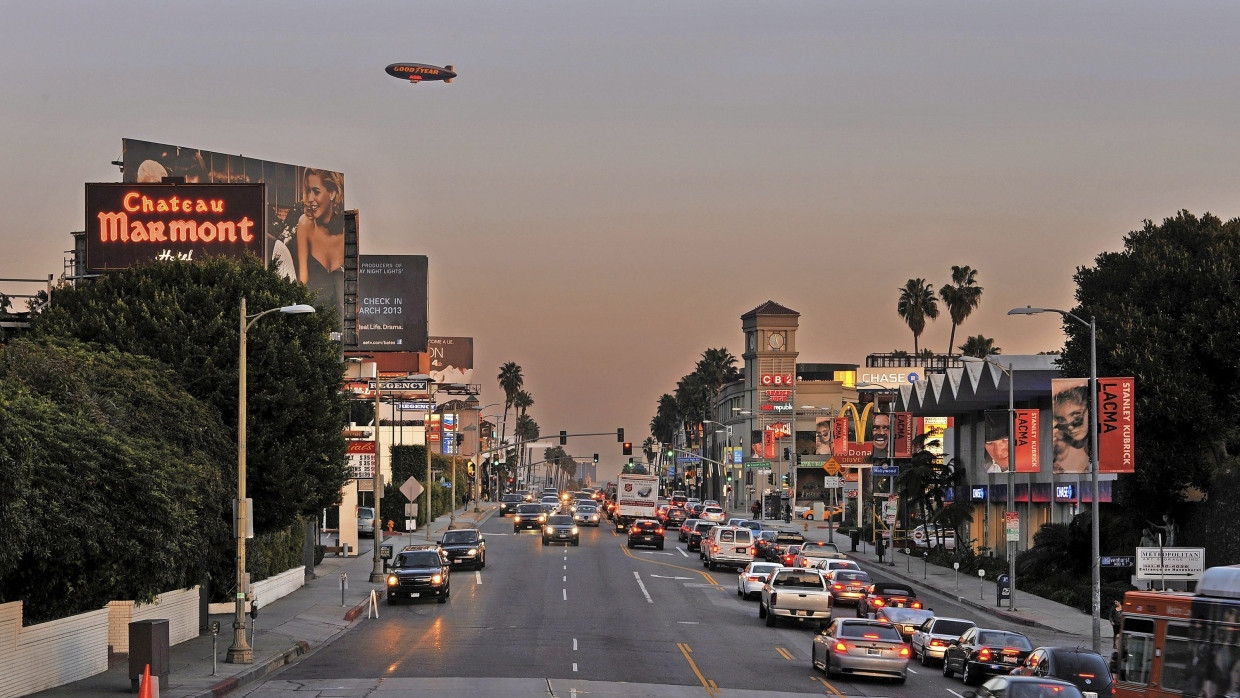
pixel 420 72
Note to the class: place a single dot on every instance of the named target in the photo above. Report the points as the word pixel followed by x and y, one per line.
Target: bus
pixel 1182 644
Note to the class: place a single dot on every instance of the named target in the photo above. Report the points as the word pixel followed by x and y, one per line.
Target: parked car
pixel 848 585
pixel 366 520
pixel 905 620
pixel 561 529
pixel 860 647
pixel 981 652
pixel 752 576
pixel 795 594
pixel 646 532
pixel 1024 687
pixel 933 637
pixel 924 537
pixel 1085 669
pixel 883 594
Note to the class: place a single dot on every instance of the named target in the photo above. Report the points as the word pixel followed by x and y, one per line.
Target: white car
pixel 827 564
pixel 752 576
pixel 715 514
pixel 928 537
pixel 930 641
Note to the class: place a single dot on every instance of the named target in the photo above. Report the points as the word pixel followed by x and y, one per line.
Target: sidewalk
pixel 964 589
pixel 300 623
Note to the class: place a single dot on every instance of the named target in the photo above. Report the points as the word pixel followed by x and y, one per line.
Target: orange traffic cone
pixel 145 690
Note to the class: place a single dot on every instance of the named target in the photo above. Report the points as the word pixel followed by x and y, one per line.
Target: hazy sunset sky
pixel 608 186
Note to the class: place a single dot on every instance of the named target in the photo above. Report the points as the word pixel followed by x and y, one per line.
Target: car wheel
pixel 925 659
pixel 901 679
pixel 576 541
pixel 710 565
pixel 544 539
pixel 706 564
pixel 826 665
pixel 660 546
pixel 771 618
pixel 484 562
pixel 947 667
pixel 740 593
pixel 761 610
pixel 971 675
pixel 443 596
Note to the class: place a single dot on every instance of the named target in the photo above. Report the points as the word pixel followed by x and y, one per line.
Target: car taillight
pixel 774 596
pixel 904 651
pixel 837 587
pixel 938 643
pixel 984 655
pixel 841 647
pixel 657 530
pixel 752 551
pixel 1011 650
pixel 915 604
pixel 874 602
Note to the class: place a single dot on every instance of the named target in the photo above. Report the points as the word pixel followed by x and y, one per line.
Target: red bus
pixel 1182 644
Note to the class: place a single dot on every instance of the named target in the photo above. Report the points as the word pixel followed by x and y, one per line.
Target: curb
pixel 231 684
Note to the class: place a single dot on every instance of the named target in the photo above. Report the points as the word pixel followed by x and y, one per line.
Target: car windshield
pixel 529 509
pixel 560 521
pixel 586 507
pixel 1070 665
pixel 998 638
pixel 868 631
pixel 804 580
pixel 846 576
pixel 460 537
pixel 1038 689
pixel 419 558
pixel 952 627
pixel 513 498
pixel 764 568
pixel 893 590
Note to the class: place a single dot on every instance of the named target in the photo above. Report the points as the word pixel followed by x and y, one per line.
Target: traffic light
pixel 671 452
pixel 596 459
pixel 563 438
pixel 784 479
pixel 620 435
pixel 770 478
pixel 787 453
pixel 729 477
pixel 628 448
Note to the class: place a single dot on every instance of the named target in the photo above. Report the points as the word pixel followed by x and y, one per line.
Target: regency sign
pixel 129 224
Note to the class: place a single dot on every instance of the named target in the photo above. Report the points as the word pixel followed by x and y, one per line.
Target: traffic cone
pixel 145 690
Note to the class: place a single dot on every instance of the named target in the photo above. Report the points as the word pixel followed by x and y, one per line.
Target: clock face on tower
pixel 776 340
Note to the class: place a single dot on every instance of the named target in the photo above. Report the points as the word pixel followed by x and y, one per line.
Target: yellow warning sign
pixel 832 467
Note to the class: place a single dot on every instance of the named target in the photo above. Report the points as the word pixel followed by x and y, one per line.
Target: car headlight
pixel 594 517
pixel 542 517
pixel 392 580
pixel 436 579
pixel 549 529
pixel 517 518
pixel 472 551
pixel 574 530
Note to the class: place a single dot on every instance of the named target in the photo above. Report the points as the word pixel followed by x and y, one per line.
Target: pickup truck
pixel 812 552
pixel 797 594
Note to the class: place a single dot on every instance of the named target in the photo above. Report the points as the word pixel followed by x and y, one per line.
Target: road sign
pixel 1170 563
pixel 689 459
pixel 832 482
pixel 411 488
pixel 404 385
pixel 1118 561
pixel 1011 524
pixel 886 470
pixel 758 464
pixel 832 467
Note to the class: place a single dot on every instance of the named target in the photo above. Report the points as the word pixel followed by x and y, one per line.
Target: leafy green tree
pixel 916 305
pixel 112 480
pixel 1167 311
pixel 186 316
pixel 979 347
pixel 961 297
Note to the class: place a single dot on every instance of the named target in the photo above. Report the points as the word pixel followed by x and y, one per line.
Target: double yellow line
pixel 711 687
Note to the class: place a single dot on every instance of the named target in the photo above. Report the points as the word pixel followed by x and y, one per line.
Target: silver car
pixel 932 638
pixel 365 520
pixel 860 647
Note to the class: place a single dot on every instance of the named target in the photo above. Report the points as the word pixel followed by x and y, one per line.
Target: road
pixel 595 619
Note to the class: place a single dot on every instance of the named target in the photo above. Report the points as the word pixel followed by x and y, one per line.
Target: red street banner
pixel 902 434
pixel 1116 419
pixel 1028 441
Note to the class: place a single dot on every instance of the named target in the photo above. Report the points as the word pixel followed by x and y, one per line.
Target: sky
pixel 609 186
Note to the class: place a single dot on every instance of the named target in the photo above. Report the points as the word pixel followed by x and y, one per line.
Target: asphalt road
pixel 594 619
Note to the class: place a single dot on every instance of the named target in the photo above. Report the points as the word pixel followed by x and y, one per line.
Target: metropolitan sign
pixel 1170 563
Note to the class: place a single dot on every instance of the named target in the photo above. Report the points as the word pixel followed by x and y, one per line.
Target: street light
pixel 1095 569
pixel 1011 468
pixel 240 651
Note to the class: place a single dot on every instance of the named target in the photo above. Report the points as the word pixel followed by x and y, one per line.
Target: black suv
pixel 646 532
pixel 465 546
pixel 509 504
pixel 1085 669
pixel 419 571
pixel 527 516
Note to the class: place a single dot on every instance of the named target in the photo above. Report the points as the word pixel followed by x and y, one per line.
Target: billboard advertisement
pixel 361 459
pixel 305 212
pixel 128 224
pixel 452 359
pixel 392 308
pixel 1027 443
pixel 1116 419
pixel 1070 408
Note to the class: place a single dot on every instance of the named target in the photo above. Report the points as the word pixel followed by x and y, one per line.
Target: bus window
pixel 1138 658
pixel 1185 659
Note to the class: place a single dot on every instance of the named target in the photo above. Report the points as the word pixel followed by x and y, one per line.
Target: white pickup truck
pixel 796 594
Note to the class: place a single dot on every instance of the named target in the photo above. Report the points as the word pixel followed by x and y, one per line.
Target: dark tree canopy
pixel 185 314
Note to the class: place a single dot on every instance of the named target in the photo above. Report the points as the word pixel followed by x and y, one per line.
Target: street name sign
pixel 758 464
pixel 886 470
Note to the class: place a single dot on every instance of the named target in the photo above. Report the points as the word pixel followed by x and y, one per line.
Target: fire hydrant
pixel 391 525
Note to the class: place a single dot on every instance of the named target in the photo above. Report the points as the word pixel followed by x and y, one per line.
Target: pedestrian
pixel 1117 621
pixel 756 509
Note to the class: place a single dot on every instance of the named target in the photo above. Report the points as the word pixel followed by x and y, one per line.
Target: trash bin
pixel 856 538
pixel 1003 590
pixel 148 644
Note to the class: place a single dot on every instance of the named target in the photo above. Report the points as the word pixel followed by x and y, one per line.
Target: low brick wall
pixel 50 654
pixel 267 591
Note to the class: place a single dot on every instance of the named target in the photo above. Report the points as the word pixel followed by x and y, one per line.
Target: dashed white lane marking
pixel 638 577
pixel 565 594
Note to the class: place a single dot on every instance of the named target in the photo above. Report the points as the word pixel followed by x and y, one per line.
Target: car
pixel 692 503
pixel 674 516
pixel 528 516
pixel 884 594
pixel 509 502
pixel 1025 687
pixel 925 537
pixel 700 530
pixel 847 585
pixel 728 547
pixel 755 526
pixel 678 499
pixel 465 546
pixel 1085 669
pixel 933 637
pixel 791 553
pixel 660 512
pixel 550 505
pixel 685 528
pixel 763 540
pixel 735 521
pixel 417 571
pixel 587 514
pixel 811 551
pixel 829 512
pixel 856 647
pixel 366 520
pixel 646 532
pixel 715 514
pixel 905 620
pixel 750 579
pixel 781 541
pixel 561 529
pixel 795 594
pixel 827 564
pixel 980 652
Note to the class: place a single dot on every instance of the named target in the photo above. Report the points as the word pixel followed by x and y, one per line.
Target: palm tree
pixel 663 424
pixel 522 401
pixel 525 429
pixel 510 380
pixel 979 347
pixel 917 304
pixel 961 296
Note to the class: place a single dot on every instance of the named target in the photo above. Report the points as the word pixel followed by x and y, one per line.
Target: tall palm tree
pixel 522 402
pixel 979 347
pixel 525 429
pixel 510 380
pixel 961 296
pixel 917 304
pixel 666 416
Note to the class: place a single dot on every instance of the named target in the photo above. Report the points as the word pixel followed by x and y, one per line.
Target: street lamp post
pixel 1010 371
pixel 1095 601
pixel 240 651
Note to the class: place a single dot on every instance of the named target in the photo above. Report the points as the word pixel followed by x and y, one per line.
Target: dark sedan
pixel 561 529
pixel 1026 687
pixel 700 529
pixel 465 546
pixel 1085 669
pixel 982 652
pixel 419 572
pixel 646 532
